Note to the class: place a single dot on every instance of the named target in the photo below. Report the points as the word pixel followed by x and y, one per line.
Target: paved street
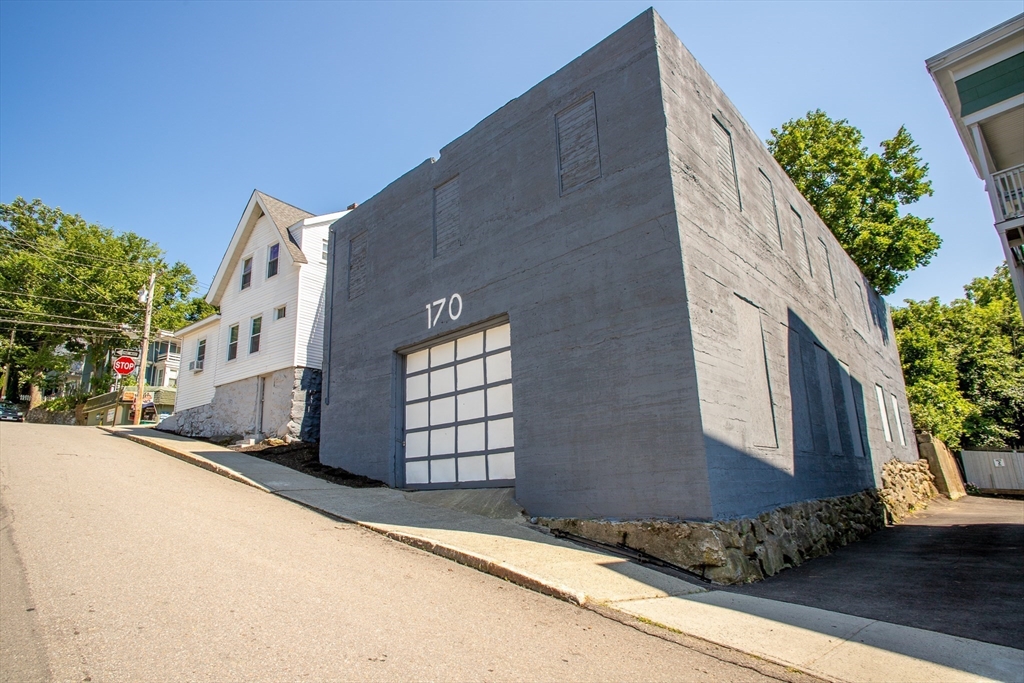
pixel 954 568
pixel 120 563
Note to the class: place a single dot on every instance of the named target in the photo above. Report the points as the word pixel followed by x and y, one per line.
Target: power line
pixel 70 301
pixel 54 315
pixel 122 266
pixel 30 243
pixel 21 323
pixel 68 272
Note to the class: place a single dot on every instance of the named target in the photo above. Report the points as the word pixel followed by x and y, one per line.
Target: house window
pixel 323 253
pixel 174 348
pixel 246 273
pixel 200 352
pixel 233 342
pixel 280 312
pixel 272 259
pixel 254 334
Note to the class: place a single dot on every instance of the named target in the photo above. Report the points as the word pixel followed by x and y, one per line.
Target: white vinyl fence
pixel 1000 470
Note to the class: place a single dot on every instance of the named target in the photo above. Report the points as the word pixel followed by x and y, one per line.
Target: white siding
pixel 196 388
pixel 309 338
pixel 238 307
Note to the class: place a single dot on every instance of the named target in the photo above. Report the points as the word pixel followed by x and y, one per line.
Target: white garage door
pixel 458 413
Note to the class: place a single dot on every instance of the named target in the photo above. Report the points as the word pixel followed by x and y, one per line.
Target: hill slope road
pixel 122 564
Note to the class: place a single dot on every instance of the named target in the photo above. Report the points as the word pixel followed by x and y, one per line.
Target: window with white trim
pixel 280 312
pixel 246 272
pixel 273 260
pixel 233 342
pixel 255 330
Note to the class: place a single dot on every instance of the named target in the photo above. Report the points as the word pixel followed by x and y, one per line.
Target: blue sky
pixel 161 118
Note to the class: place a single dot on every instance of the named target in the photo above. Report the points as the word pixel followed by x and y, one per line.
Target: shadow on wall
pixel 831 454
pixel 310 384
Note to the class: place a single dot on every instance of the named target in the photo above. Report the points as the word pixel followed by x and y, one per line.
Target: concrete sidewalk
pixel 830 645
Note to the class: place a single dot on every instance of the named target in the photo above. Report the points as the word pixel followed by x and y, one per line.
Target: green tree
pixel 859 194
pixel 964 364
pixel 69 285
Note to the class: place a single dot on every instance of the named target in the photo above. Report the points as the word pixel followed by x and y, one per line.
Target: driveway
pixel 956 568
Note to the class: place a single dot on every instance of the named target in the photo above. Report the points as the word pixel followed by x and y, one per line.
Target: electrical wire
pixel 54 315
pixel 70 301
pixel 69 250
pixel 19 323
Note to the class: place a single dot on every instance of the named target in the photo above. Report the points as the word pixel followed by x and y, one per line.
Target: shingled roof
pixel 284 215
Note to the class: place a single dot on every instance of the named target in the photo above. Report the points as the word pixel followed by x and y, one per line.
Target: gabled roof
pixel 284 216
pixel 281 214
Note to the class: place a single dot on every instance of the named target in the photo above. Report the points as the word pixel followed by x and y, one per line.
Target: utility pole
pixel 141 388
pixel 7 368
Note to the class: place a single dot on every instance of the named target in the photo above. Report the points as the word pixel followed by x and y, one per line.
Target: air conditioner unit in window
pixel 196 366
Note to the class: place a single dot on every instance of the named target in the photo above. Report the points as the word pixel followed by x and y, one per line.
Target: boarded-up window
pixel 899 420
pixel 828 266
pixel 579 155
pixel 760 412
pixel 769 211
pixel 852 418
pixel 725 160
pixel 798 223
pixel 828 400
pixel 357 266
pixel 880 397
pixel 447 216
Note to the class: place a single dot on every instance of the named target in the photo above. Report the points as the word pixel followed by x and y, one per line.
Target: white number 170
pixel 435 309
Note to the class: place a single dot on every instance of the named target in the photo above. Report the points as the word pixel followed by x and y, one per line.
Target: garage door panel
pixel 459 426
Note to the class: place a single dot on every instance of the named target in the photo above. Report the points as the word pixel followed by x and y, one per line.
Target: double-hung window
pixel 323 253
pixel 200 354
pixel 273 255
pixel 233 342
pixel 254 334
pixel 246 273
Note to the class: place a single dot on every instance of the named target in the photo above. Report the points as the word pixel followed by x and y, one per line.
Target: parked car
pixel 11 412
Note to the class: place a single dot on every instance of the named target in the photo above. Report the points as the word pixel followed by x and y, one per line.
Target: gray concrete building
pixel 608 295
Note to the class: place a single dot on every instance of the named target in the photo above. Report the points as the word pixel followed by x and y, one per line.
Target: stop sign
pixel 124 365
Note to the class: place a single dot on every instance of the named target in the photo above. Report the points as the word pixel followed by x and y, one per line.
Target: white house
pixel 254 369
pixel 981 81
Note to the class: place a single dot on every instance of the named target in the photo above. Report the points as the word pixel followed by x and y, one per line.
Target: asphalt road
pixel 119 563
pixel 955 568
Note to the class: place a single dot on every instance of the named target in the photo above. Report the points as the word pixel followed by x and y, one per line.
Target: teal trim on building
pixel 991 85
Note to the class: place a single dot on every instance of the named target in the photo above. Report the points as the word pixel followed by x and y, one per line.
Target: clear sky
pixel 162 117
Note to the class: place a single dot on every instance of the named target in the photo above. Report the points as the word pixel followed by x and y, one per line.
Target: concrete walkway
pixel 827 644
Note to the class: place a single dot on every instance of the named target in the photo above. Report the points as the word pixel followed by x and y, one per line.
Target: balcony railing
pixel 1009 190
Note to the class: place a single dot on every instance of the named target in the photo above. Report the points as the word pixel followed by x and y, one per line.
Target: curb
pixel 190 458
pixel 464 557
pixel 484 564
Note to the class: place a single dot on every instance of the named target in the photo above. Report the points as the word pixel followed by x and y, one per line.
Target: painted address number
pixel 434 310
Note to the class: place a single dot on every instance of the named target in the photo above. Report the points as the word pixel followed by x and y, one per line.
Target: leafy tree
pixel 68 285
pixel 964 364
pixel 859 195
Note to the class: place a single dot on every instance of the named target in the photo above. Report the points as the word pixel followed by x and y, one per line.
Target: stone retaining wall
pixel 56 417
pixel 746 550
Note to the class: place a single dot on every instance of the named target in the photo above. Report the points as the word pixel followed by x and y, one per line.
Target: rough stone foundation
pixel 291 409
pixel 746 550
pixel 57 417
